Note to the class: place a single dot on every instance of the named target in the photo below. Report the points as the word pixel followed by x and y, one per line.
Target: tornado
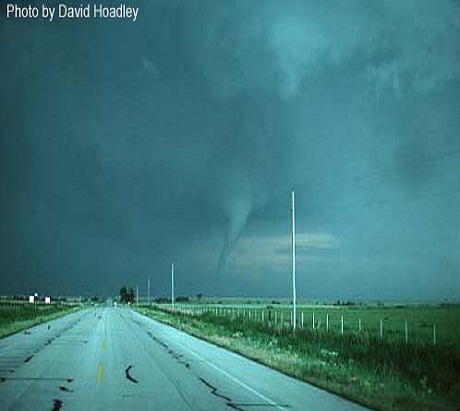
pixel 239 209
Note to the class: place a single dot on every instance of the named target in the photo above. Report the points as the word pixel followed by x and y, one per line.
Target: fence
pixel 411 324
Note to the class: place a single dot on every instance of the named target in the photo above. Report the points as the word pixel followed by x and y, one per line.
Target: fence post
pixel 341 324
pixel 406 332
pixel 327 322
pixel 301 319
pixel 381 329
pixel 434 334
pixel 360 328
pixel 313 321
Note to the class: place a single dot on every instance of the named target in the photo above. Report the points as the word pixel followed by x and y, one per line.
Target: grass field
pixel 378 369
pixel 422 324
pixel 20 315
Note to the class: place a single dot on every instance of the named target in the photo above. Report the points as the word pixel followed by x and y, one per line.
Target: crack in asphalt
pixel 29 358
pixel 215 392
pixel 179 359
pixel 3 379
pixel 129 376
pixel 57 404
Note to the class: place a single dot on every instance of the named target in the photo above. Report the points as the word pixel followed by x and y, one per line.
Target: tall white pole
pixel 148 290
pixel 172 284
pixel 293 264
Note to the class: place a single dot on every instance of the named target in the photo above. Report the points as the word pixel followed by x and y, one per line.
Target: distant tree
pixel 131 295
pixel 126 295
pixel 123 294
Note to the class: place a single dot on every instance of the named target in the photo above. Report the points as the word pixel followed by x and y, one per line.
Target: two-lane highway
pixel 115 359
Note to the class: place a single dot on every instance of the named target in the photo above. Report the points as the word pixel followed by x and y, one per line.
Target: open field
pixel 381 369
pixel 20 315
pixel 417 323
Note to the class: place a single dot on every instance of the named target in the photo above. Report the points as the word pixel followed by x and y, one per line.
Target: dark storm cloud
pixel 125 145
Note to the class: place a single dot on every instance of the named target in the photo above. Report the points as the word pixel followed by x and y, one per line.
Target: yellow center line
pixel 100 367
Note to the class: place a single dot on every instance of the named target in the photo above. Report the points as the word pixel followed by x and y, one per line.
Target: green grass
pixel 17 316
pixel 384 374
pixel 420 319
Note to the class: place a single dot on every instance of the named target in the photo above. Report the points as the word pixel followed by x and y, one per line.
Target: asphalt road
pixel 115 359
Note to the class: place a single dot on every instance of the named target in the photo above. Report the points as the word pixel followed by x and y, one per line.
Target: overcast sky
pixel 180 136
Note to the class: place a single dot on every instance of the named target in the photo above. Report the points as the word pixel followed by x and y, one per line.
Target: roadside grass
pixel 385 375
pixel 420 318
pixel 15 317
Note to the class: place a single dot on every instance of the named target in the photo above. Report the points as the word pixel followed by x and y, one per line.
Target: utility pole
pixel 148 290
pixel 293 263
pixel 172 285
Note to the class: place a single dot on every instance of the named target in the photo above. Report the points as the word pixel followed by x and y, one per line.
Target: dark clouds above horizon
pixel 124 145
